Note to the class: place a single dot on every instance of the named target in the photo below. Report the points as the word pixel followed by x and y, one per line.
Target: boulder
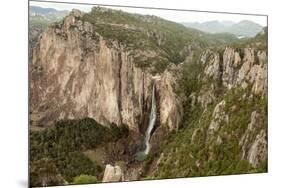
pixel 112 174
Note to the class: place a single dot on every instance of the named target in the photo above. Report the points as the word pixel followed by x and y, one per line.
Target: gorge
pixel 122 97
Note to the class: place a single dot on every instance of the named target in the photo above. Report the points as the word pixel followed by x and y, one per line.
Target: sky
pixel 176 16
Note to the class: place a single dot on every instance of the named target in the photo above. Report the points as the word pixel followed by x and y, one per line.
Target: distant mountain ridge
pixel 45 11
pixel 40 18
pixel 96 77
pixel 243 28
pixel 41 10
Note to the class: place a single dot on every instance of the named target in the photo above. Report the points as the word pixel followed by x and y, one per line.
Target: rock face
pixel 78 71
pixel 246 67
pixel 169 104
pixel 213 68
pixel 76 74
pixel 219 116
pixel 242 70
pixel 239 68
pixel 112 174
pixel 258 151
pixel 254 142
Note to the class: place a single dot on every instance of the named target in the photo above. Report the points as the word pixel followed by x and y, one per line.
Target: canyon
pixel 186 104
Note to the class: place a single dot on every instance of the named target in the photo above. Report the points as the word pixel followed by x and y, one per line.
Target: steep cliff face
pixel 241 68
pixel 170 107
pixel 234 68
pixel 75 74
pixel 209 115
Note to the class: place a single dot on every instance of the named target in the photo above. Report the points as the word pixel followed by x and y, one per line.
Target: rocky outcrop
pixel 231 60
pixel 81 69
pixel 206 96
pixel 253 142
pixel 258 150
pixel 169 104
pixel 233 68
pixel 245 69
pixel 219 116
pixel 112 174
pixel 242 67
pixel 76 74
pixel 213 61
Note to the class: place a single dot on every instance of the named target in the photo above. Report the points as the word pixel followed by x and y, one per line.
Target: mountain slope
pixel 210 26
pixel 245 28
pixel 224 128
pixel 106 79
pixel 94 77
pixel 149 45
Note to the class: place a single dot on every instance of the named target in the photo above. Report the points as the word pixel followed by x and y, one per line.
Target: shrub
pixel 84 179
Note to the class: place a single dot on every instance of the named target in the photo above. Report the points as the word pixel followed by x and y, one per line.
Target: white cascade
pixel 152 120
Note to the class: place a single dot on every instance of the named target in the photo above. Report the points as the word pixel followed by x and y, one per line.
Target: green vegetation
pixel 194 150
pixel 204 156
pixel 62 147
pixel 84 179
pixel 225 37
pixel 39 22
pixel 44 172
pixel 148 160
pixel 171 42
pixel 56 153
pixel 189 80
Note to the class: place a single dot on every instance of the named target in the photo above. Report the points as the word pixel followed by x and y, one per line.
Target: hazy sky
pixel 177 16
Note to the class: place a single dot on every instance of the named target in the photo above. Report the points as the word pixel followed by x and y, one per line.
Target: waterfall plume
pixel 152 120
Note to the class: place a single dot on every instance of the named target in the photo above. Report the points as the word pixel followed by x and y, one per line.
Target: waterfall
pixel 152 119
